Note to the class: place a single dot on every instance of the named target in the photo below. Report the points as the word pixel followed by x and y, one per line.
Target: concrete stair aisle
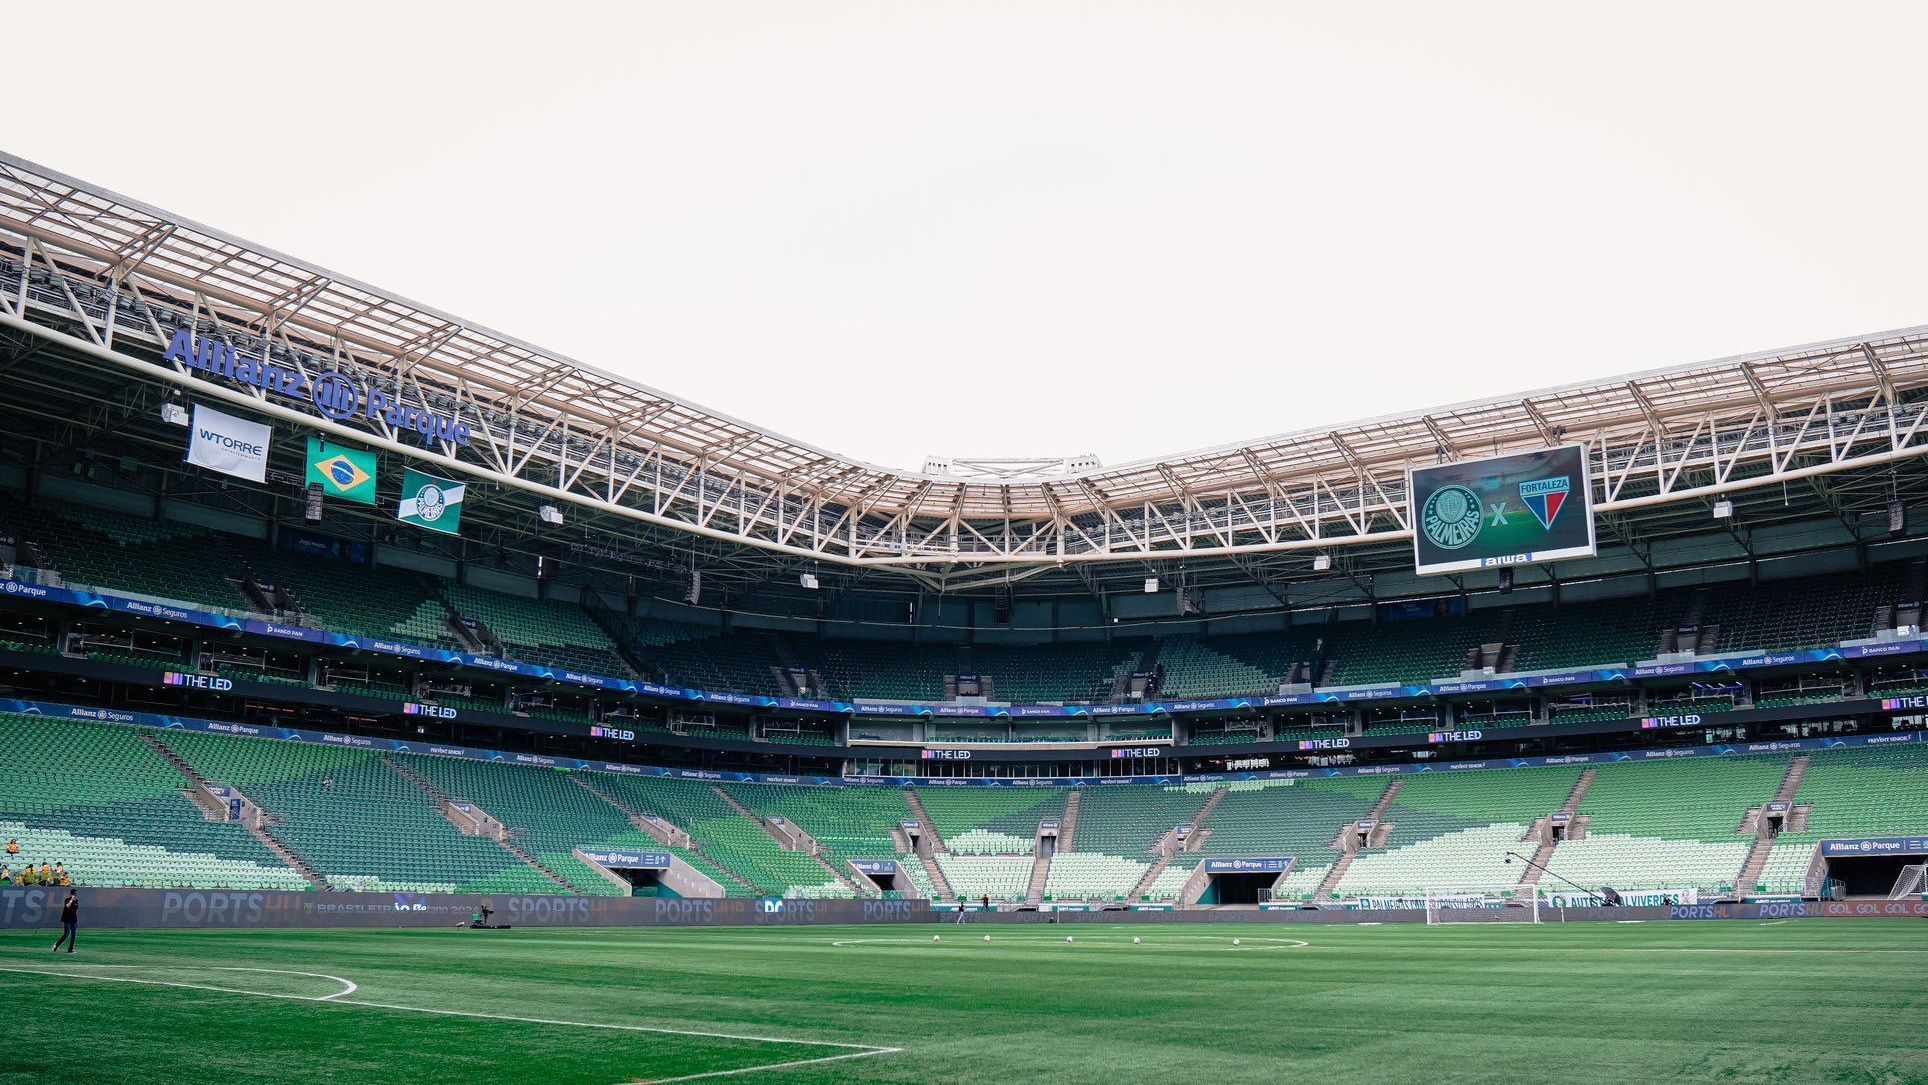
pixel 1580 788
pixel 634 815
pixel 1750 875
pixel 1147 660
pixel 1385 801
pixel 1151 875
pixel 1509 650
pixel 1070 822
pixel 661 830
pixel 928 844
pixel 783 681
pixel 606 623
pixel 180 764
pixel 1338 871
pixel 836 875
pixel 514 849
pixel 788 664
pixel 260 602
pixel 1040 870
pixel 1169 845
pixel 939 883
pixel 289 858
pixel 734 876
pixel 443 802
pixel 929 835
pixel 1200 831
pixel 472 641
pixel 1914 584
pixel 862 889
pixel 1544 853
pixel 744 811
pixel 1791 783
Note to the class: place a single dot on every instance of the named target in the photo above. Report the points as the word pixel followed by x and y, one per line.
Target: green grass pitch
pixel 1785 1001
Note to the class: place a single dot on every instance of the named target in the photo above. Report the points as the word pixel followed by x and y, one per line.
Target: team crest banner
pixel 431 502
pixel 342 472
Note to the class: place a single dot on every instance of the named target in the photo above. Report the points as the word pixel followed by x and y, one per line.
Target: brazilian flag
pixel 342 472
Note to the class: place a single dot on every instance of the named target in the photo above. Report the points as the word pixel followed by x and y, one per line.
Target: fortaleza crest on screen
pixel 1545 497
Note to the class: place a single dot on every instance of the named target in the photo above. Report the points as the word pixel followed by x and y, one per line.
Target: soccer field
pixel 1784 1001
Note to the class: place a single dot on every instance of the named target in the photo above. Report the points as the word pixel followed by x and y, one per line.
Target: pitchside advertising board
pixel 36 908
pixel 1507 510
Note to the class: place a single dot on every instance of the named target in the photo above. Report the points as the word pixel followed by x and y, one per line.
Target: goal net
pixel 1913 878
pixel 1483 904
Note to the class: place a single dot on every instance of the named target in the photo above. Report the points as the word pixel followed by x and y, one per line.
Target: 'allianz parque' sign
pixel 336 395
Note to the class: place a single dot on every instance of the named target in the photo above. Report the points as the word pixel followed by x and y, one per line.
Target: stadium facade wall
pixel 1016 753
pixel 89 714
pixel 1585 676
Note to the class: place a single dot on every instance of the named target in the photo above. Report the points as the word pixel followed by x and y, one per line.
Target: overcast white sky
pixel 897 229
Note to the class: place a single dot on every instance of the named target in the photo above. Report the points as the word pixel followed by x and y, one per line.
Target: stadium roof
pixel 113 275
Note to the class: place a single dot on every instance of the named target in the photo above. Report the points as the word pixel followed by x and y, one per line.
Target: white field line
pixel 664 1030
pixel 1832 950
pixel 851 1051
pixel 348 986
pixel 770 1066
pixel 1102 942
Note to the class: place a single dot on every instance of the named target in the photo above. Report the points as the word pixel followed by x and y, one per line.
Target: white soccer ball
pixel 1235 941
pixel 1067 938
pixel 1134 941
pixel 935 937
pixel 987 938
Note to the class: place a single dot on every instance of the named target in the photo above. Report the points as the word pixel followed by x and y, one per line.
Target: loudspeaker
pixel 311 503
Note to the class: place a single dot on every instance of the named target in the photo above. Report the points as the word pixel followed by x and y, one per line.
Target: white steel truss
pixel 114 278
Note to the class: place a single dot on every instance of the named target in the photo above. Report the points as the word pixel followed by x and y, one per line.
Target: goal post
pixel 1511 903
pixel 1911 882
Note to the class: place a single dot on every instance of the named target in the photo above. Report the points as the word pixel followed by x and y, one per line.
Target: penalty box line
pixel 850 1050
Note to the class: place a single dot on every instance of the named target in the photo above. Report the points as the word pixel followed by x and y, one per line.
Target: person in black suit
pixel 69 920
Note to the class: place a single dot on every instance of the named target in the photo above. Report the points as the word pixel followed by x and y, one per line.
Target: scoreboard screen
pixel 1507 510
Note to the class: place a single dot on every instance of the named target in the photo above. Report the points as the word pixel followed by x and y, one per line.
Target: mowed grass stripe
pixel 71 1033
pixel 1808 1001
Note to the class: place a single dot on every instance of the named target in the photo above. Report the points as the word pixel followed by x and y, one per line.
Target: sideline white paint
pixel 1103 942
pixel 851 1051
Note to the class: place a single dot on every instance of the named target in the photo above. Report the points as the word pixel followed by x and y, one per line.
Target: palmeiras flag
pixel 431 502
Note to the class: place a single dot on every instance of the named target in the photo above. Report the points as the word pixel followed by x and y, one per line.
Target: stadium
pixel 369 672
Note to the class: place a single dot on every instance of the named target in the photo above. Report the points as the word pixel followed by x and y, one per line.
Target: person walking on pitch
pixel 69 919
